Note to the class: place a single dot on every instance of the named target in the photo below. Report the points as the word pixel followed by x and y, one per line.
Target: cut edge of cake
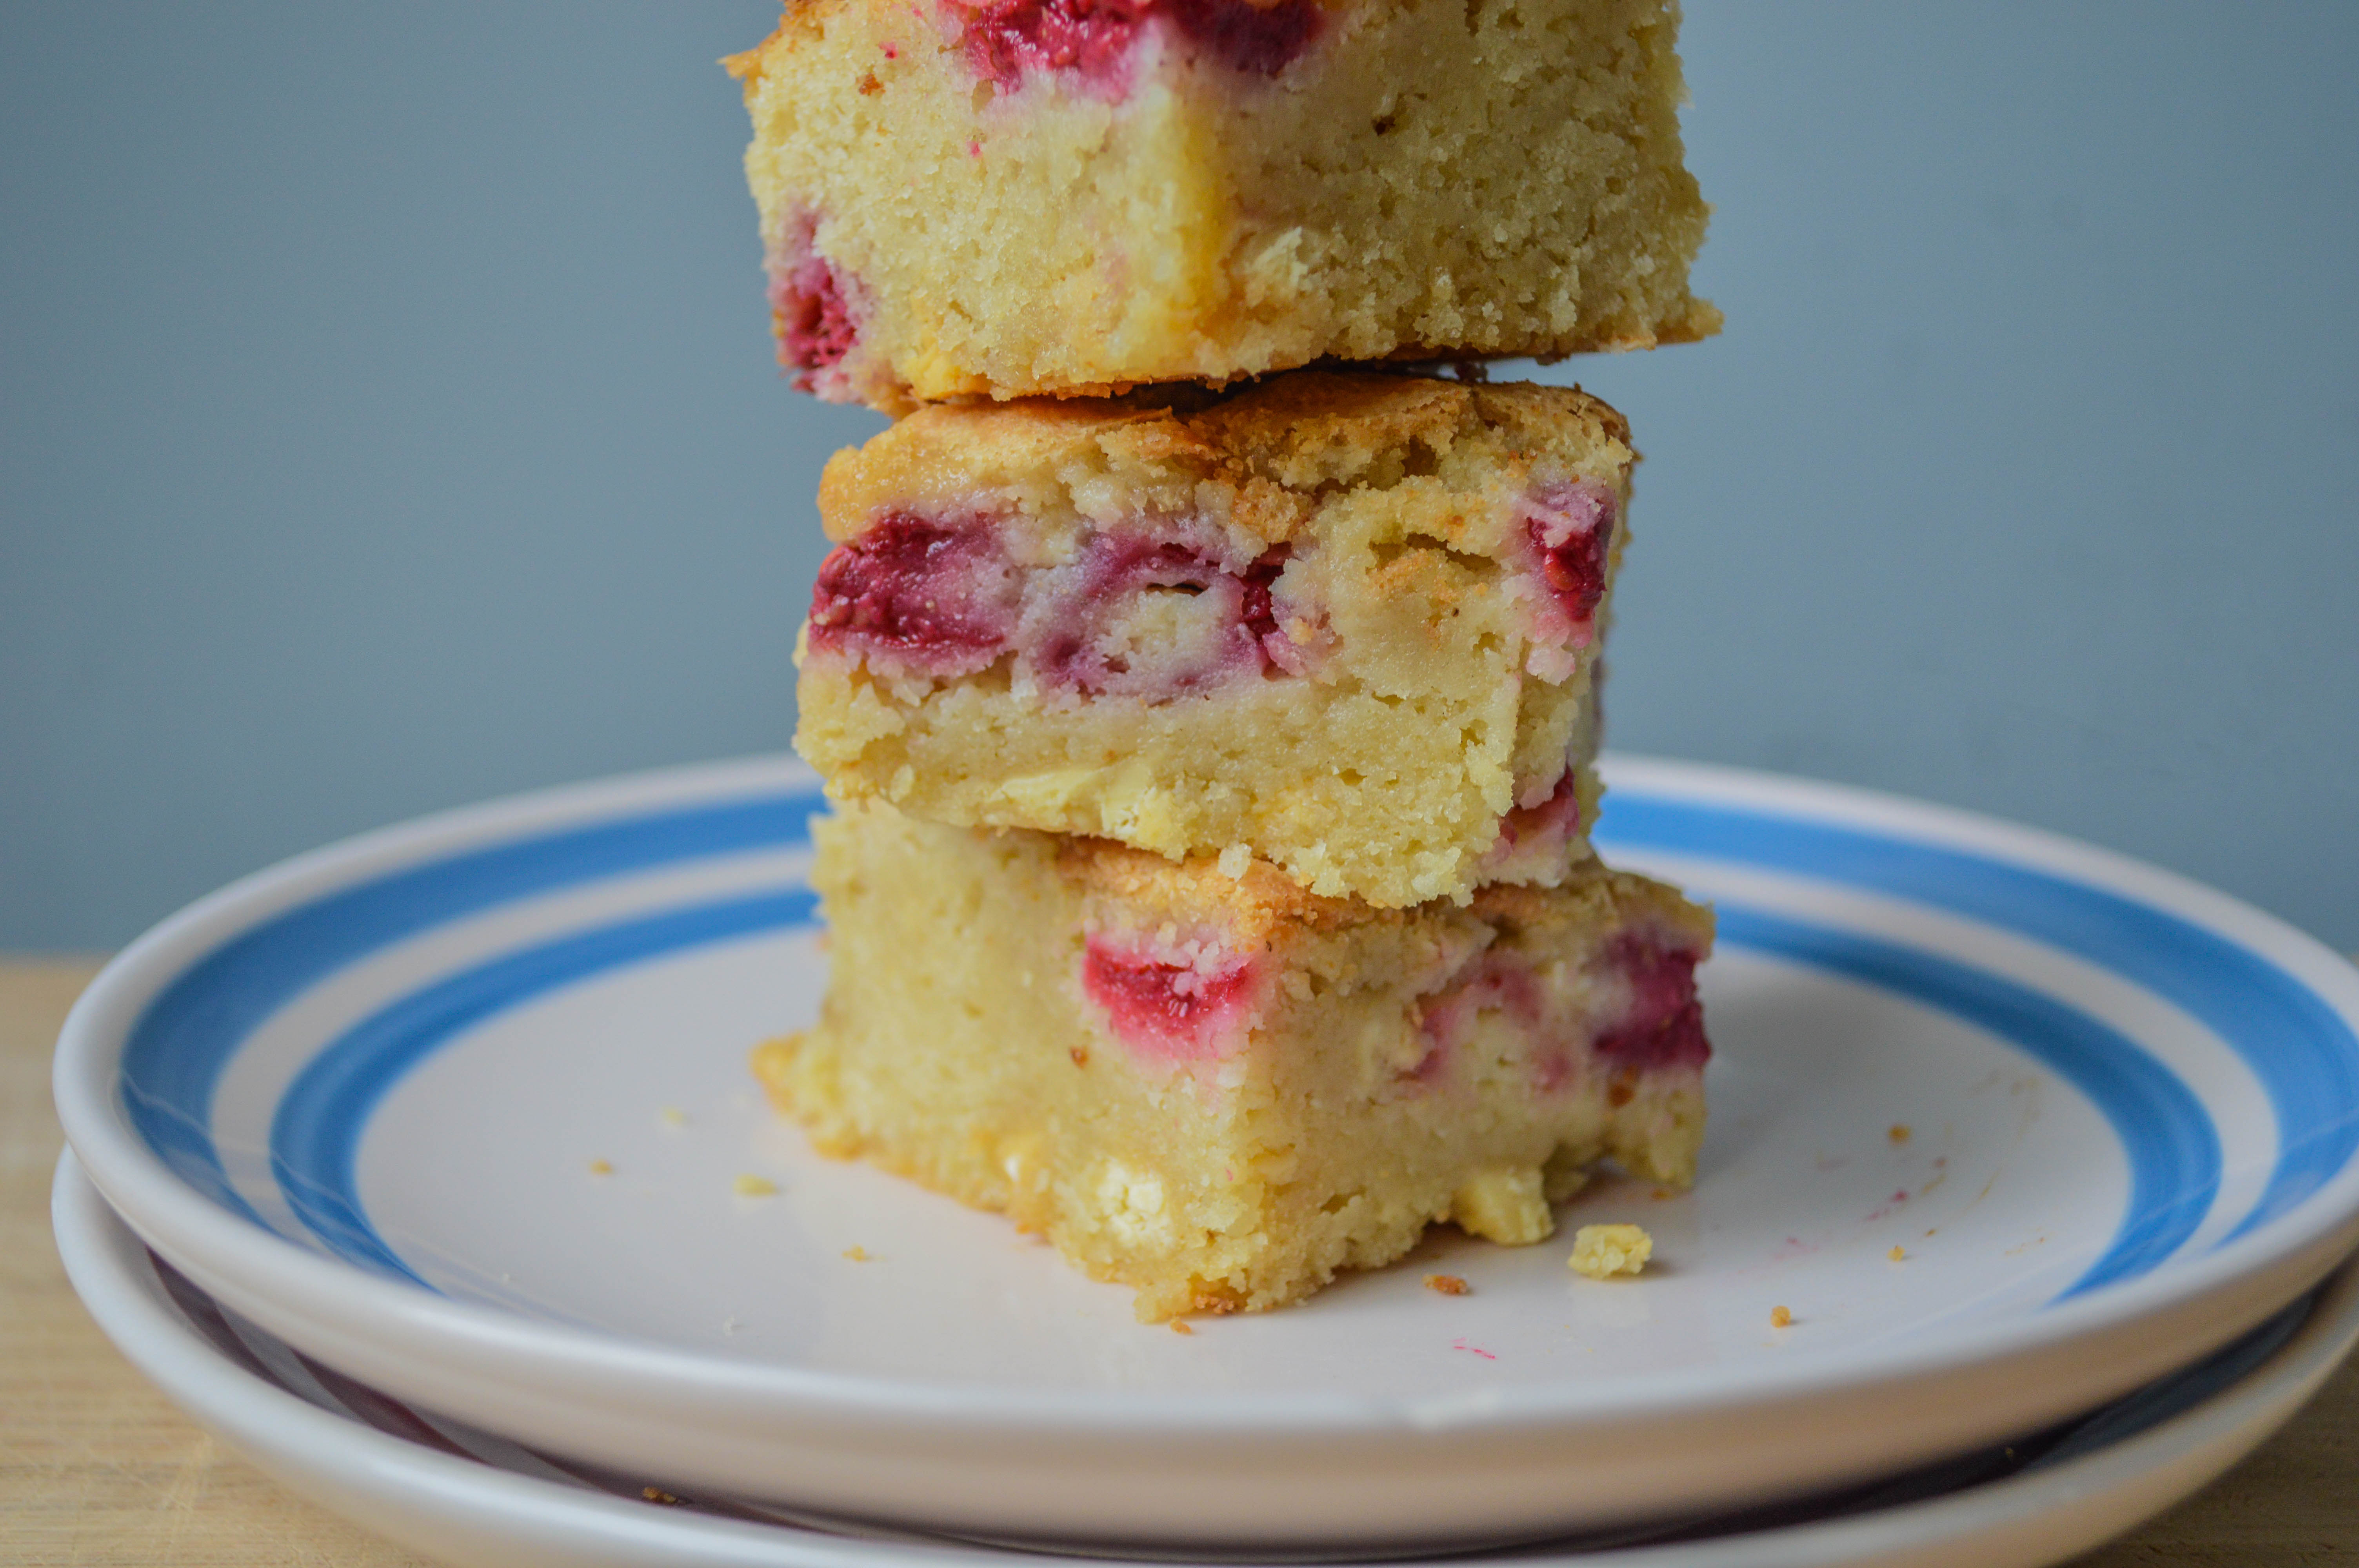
pixel 1219 1090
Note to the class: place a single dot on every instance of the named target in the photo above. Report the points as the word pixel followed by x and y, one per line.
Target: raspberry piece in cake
pixel 1018 197
pixel 1222 1090
pixel 1098 40
pixel 1348 624
pixel 912 593
pixel 811 316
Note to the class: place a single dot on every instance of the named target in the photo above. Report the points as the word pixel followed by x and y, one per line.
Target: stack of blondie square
pixel 1208 697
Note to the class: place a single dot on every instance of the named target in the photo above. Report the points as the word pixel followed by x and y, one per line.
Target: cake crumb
pixel 1900 1133
pixel 1601 1251
pixel 1897 1253
pixel 672 1116
pixel 1235 862
pixel 1780 1318
pixel 658 1495
pixel 856 1254
pixel 1179 1325
pixel 1446 1284
pixel 602 1167
pixel 773 1060
pixel 752 1186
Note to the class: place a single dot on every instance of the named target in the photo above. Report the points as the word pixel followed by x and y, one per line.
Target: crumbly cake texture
pixel 1601 1251
pixel 1345 623
pixel 1221 1091
pixel 1017 197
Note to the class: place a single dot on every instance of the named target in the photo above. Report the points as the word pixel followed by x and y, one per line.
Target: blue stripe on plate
pixel 2304 1055
pixel 184 1039
pixel 315 1135
pixel 2172 1148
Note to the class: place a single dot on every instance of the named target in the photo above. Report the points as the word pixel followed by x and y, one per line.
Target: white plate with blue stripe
pixel 2009 1126
pixel 466 1496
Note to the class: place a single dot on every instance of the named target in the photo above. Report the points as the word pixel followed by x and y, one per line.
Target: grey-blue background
pixel 389 422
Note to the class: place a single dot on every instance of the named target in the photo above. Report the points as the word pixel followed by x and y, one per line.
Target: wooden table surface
pixel 96 1469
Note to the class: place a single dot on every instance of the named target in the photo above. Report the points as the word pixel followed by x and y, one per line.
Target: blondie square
pixel 1019 197
pixel 1220 1090
pixel 1345 623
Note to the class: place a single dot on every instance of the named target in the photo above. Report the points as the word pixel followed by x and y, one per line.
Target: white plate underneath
pixel 358 1098
pixel 467 1498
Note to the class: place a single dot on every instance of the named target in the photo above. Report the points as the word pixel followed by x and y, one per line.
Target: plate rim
pixel 2289 1253
pixel 2248 1409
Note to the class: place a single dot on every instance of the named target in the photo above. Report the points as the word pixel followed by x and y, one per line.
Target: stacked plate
pixel 426 1169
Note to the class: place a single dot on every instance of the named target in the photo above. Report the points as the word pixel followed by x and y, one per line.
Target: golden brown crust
pixel 1262 901
pixel 1255 903
pixel 746 69
pixel 1593 890
pixel 1277 444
